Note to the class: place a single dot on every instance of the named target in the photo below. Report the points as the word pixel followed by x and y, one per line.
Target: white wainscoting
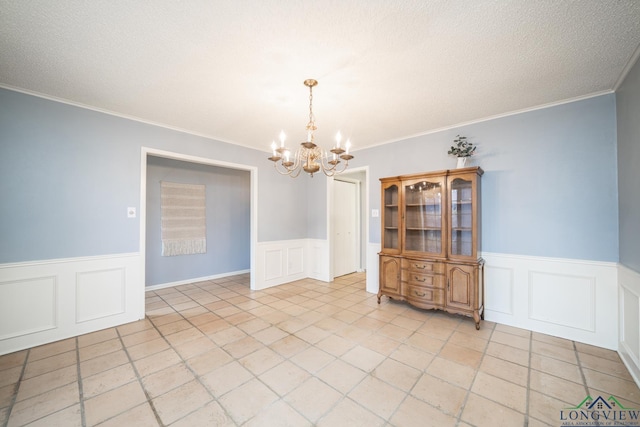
pixel 46 301
pixel 567 298
pixel 629 307
pixel 572 299
pixel 318 263
pixel 289 260
pixel 373 270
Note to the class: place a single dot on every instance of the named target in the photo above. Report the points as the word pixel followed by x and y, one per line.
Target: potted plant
pixel 462 150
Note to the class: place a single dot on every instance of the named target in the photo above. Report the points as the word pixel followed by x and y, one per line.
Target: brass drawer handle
pixel 418 279
pixel 421 267
pixel 419 295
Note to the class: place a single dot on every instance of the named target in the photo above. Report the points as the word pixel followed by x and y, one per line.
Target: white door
pixel 345 228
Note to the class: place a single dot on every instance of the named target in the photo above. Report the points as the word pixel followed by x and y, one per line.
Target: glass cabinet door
pixel 423 223
pixel 391 218
pixel 461 220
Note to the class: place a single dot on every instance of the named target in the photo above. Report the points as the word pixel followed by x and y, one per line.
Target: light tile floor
pixel 216 353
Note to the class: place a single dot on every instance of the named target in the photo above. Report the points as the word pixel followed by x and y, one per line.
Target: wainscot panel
pixel 572 299
pixel 47 301
pixel 629 303
pixel 318 262
pixel 280 262
pixel 373 274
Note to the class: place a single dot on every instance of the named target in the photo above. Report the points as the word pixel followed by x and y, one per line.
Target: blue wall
pixel 628 113
pixel 228 196
pixel 550 185
pixel 68 174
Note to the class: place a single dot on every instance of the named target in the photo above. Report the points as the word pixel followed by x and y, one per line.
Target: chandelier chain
pixel 311 125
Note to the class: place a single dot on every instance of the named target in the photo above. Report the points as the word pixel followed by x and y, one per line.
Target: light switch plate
pixel 131 212
pixel 375 213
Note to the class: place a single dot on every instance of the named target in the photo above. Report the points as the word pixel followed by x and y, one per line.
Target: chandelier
pixel 309 157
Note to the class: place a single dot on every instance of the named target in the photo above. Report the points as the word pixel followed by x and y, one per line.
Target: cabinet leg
pixel 379 298
pixel 476 318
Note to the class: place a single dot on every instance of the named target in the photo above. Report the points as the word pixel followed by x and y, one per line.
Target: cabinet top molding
pixel 477 169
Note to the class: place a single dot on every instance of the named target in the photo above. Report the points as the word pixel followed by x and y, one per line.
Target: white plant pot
pixel 461 162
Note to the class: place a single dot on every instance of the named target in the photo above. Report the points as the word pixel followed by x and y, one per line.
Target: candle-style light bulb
pixel 282 138
pixel 273 147
pixel 286 155
pixel 338 139
pixel 348 145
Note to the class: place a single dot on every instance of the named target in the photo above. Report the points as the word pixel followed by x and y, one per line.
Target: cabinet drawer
pixel 418 279
pixel 420 266
pixel 425 294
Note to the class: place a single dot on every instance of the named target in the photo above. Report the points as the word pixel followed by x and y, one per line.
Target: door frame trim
pixel 358 221
pixel 364 215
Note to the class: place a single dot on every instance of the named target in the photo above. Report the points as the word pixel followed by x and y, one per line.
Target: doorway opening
pixel 348 222
pixel 146 152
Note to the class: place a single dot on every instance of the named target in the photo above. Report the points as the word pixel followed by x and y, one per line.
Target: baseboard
pixel 194 280
pixel 49 300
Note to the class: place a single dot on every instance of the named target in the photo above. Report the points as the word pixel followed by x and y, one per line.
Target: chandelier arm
pixel 296 160
pixel 326 166
pixel 289 172
pixel 295 175
pixel 333 171
pixel 329 174
pixel 331 166
pixel 345 165
pixel 284 170
pixel 281 172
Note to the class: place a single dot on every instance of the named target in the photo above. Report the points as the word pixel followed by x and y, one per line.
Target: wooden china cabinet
pixel 431 240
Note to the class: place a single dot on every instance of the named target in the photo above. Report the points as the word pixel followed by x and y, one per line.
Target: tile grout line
pixel 345 396
pixel 475 375
pixel 528 390
pixel 467 390
pixel 17 387
pixel 582 375
pixel 368 375
pixel 197 377
pixel 407 392
pixel 424 371
pixel 312 345
pixel 288 359
pixel 133 366
pixel 83 418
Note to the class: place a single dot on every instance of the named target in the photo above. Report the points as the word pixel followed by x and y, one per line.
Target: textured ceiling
pixel 233 70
